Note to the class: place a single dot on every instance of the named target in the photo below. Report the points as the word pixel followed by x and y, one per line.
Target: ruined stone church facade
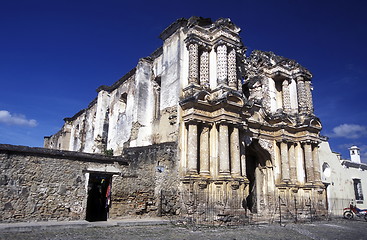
pixel 243 126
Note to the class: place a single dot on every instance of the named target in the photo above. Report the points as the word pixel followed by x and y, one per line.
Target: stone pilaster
pixel 300 163
pixel 224 167
pixel 204 69
pixel 292 164
pixel 204 151
pixel 301 93
pixel 193 63
pixel 316 163
pixel 232 73
pixel 101 121
pixel 293 95
pixel 277 163
pixel 235 153
pixel 222 63
pixel 192 148
pixel 243 166
pixel 243 158
pixel 285 161
pixel 286 97
pixel 309 162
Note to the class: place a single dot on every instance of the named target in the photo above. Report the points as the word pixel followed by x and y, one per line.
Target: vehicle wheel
pixel 348 215
pixel 365 217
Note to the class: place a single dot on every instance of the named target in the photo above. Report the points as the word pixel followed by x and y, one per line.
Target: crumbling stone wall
pixel 39 184
pixel 153 169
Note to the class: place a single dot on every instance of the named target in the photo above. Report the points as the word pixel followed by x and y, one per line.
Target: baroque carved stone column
pixel 222 62
pixel 204 151
pixel 193 63
pixel 204 68
pixel 309 104
pixel 292 164
pixel 232 72
pixel 285 161
pixel 192 148
pixel 235 153
pixel 266 96
pixel 309 162
pixel 286 97
pixel 224 167
pixel 316 163
pixel 301 93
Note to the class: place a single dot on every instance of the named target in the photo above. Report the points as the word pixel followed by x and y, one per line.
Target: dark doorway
pixel 256 171
pixel 251 164
pixel 99 196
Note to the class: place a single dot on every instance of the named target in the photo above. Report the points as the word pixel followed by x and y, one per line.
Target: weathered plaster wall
pixel 143 104
pixel 59 140
pixel 172 61
pixel 125 114
pixel 340 178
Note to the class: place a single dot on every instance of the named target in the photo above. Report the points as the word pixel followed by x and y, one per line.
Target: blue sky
pixel 54 54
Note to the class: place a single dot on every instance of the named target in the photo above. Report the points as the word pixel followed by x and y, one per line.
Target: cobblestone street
pixel 337 229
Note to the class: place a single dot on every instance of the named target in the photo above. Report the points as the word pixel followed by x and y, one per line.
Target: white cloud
pixel 350 131
pixel 16 119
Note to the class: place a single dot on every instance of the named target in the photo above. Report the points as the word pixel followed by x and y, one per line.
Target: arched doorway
pixel 259 172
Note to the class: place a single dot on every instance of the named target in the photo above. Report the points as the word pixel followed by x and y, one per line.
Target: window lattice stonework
pixel 222 64
pixel 193 62
pixel 232 74
pixel 301 95
pixel 204 68
pixel 286 96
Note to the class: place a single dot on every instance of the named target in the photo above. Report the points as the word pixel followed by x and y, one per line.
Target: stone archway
pixel 259 172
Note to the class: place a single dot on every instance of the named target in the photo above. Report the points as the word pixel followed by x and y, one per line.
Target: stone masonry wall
pixel 152 170
pixel 39 184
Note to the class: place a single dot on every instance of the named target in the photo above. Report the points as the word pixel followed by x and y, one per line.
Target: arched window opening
pixel 157 96
pixel 326 169
pixel 124 97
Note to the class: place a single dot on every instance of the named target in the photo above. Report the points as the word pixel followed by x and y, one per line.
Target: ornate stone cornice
pixel 223 40
pixel 208 34
pixel 306 75
pixel 278 71
pixel 194 39
pixel 282 132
